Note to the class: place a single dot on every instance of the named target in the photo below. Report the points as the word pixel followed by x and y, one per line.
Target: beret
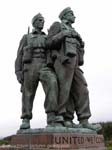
pixel 36 17
pixel 64 11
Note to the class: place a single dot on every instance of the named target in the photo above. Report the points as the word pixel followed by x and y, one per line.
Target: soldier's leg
pixel 64 74
pixel 81 101
pixel 80 95
pixel 50 86
pixel 29 89
pixel 78 100
pixel 69 115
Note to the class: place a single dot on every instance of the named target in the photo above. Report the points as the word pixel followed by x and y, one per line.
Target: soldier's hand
pixel 74 34
pixel 82 44
pixel 19 75
pixel 27 47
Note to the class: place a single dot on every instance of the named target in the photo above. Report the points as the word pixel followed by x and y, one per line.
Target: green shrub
pixel 109 148
pixel 3 142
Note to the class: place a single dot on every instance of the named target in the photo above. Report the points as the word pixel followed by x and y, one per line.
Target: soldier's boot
pixel 70 124
pixel 59 121
pixel 54 121
pixel 85 124
pixel 68 120
pixel 25 124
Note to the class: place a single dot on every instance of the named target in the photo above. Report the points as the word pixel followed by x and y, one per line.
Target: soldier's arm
pixel 19 61
pixel 55 35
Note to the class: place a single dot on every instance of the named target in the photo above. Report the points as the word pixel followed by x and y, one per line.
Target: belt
pixel 38 50
pixel 39 55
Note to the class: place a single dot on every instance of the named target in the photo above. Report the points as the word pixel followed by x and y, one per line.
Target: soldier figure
pixel 30 68
pixel 67 50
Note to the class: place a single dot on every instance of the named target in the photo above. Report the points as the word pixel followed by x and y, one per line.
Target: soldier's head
pixel 38 21
pixel 67 14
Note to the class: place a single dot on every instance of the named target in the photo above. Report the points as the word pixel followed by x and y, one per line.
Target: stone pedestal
pixel 57 141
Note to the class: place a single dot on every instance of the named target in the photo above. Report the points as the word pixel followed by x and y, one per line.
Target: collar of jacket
pixel 35 31
pixel 66 22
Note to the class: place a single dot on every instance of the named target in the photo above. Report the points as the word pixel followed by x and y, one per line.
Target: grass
pixel 109 148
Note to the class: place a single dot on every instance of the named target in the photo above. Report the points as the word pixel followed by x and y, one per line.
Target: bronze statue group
pixel 54 60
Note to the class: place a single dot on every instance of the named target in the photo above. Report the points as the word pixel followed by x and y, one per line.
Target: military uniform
pixel 67 54
pixel 31 62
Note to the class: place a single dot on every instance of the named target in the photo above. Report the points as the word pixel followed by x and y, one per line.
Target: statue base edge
pixel 44 139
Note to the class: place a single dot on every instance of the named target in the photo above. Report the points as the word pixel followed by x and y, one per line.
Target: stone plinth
pixel 58 141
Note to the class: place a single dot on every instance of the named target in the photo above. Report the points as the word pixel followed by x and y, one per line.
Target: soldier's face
pixel 39 23
pixel 70 17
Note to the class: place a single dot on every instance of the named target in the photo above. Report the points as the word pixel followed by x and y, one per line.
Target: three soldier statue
pixel 55 61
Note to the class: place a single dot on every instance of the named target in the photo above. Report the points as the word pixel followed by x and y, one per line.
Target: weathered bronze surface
pixel 55 61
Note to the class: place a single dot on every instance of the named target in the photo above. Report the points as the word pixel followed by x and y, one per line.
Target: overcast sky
pixel 93 22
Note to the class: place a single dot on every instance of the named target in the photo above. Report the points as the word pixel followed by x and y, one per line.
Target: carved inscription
pixel 60 141
pixel 81 140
